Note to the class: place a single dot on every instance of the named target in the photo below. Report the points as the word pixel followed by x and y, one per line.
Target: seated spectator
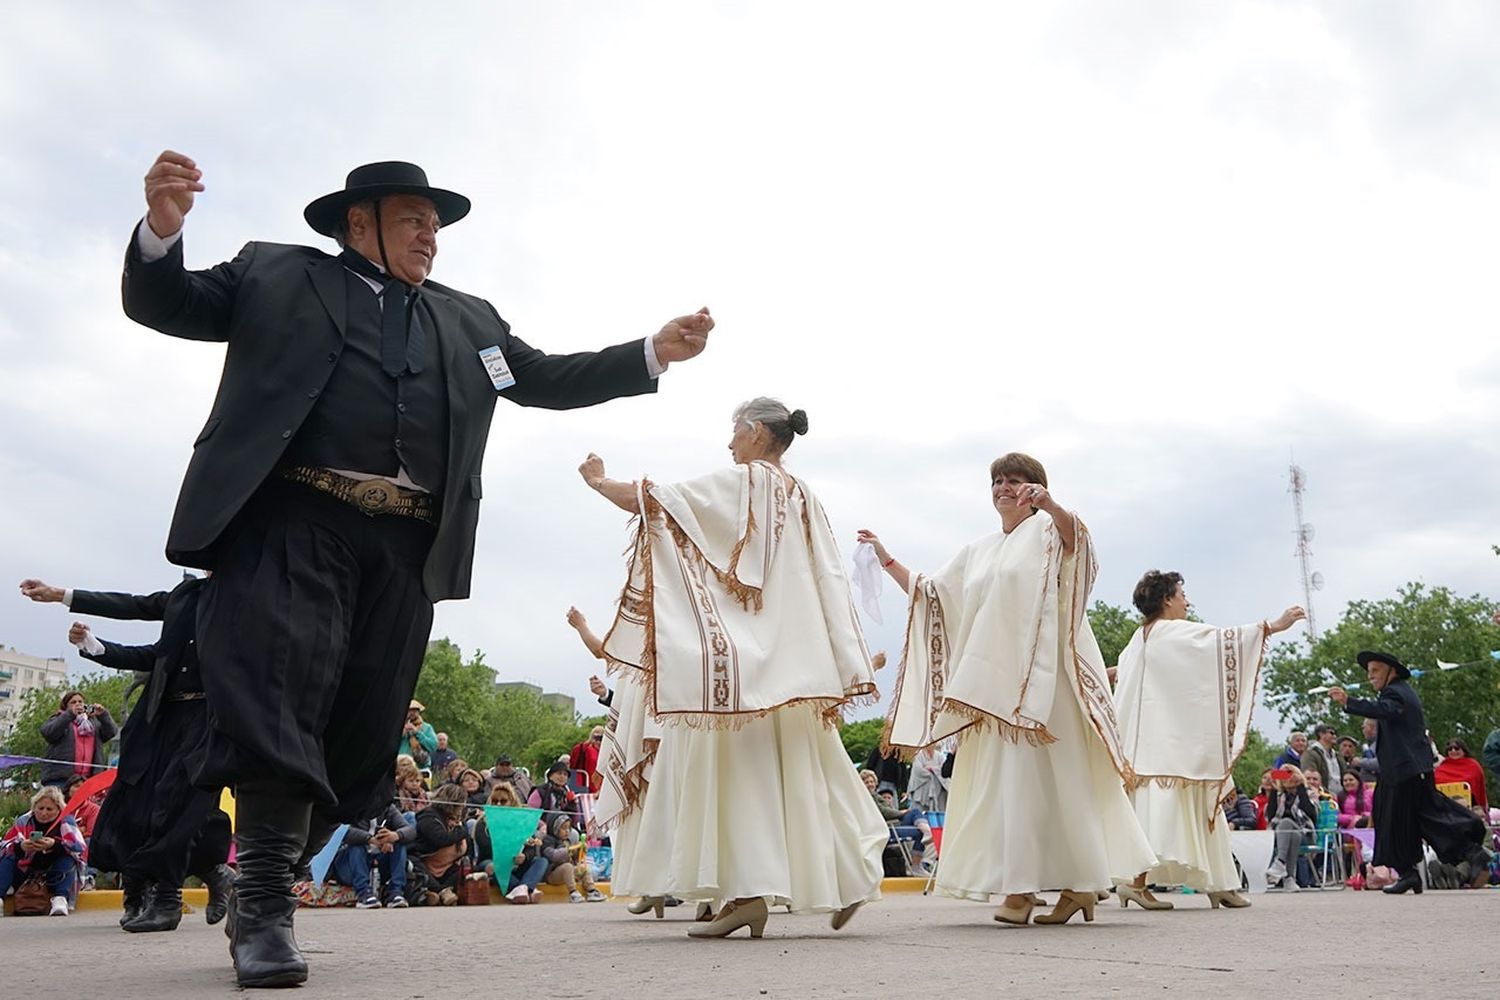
pixel 411 794
pixel 444 754
pixel 472 782
pixel 1291 754
pixel 450 775
pixel 890 772
pixel 417 737
pixel 503 773
pixel 1355 802
pixel 553 796
pixel 527 869
pixel 566 861
pixel 1241 813
pixel 1314 783
pixel 442 841
pixel 1459 765
pixel 76 736
pixel 907 824
pixel 87 812
pixel 43 842
pixel 381 840
pixel 1292 815
pixel 1260 797
pixel 585 757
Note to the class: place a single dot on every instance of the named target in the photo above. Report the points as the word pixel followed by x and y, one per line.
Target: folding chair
pixel 1458 791
pixel 1328 840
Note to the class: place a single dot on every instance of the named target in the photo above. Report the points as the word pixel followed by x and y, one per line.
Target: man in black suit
pixel 155 826
pixel 1408 807
pixel 335 493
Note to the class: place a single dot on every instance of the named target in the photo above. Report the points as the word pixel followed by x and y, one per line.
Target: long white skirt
pixel 638 869
pixel 1025 818
pixel 773 809
pixel 1188 852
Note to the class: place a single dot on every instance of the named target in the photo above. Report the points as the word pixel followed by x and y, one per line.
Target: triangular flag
pixel 323 860
pixel 96 783
pixel 1445 665
pixel 509 827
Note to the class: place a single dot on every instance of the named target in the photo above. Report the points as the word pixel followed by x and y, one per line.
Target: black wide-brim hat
pixel 1367 655
pixel 375 180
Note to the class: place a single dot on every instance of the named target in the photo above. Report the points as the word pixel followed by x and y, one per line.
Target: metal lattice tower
pixel 1311 580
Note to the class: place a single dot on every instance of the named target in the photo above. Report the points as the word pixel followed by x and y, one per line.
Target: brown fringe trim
pixel 829 709
pixel 911 613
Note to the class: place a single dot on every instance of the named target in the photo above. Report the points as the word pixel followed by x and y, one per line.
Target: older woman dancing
pixel 998 648
pixel 738 615
pixel 1185 693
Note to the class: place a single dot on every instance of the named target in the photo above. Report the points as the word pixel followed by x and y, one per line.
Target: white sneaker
pixel 575 896
pixel 59 906
pixel 370 902
pixel 520 894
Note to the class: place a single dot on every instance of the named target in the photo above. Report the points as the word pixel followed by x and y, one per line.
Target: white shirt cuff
pixel 151 246
pixel 654 368
pixel 68 598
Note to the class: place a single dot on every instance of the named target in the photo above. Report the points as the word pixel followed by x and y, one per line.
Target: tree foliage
pixel 860 738
pixel 1420 625
pixel 1257 757
pixel 483 721
pixel 1113 626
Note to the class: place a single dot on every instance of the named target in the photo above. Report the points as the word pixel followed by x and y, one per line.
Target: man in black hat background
pixel 1408 807
pixel 334 491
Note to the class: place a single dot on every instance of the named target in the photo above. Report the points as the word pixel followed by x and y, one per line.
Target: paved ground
pixel 1311 945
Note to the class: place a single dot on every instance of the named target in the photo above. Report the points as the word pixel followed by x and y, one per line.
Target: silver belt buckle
pixel 374 496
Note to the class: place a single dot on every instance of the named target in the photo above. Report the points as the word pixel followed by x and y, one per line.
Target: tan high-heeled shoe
pixel 749 913
pixel 705 912
pixel 1231 899
pixel 645 903
pixel 1018 915
pixel 842 917
pixel 1069 903
pixel 1140 897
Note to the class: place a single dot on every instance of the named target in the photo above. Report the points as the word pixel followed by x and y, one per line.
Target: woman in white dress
pixel 739 618
pixel 1185 692
pixel 999 650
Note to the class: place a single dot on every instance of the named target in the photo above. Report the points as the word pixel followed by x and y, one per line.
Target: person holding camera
pixel 43 842
pixel 76 737
pixel 1292 815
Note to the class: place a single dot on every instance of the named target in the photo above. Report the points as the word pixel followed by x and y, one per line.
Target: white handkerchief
pixel 869 580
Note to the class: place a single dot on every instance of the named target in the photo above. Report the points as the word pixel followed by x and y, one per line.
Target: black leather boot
pixel 134 889
pixel 270 837
pixel 162 913
pixel 220 883
pixel 1412 881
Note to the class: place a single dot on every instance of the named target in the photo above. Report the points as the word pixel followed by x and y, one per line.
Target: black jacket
pixel 177 610
pixel 283 312
pixel 1401 745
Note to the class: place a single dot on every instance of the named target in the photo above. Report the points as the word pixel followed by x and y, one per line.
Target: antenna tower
pixel 1311 580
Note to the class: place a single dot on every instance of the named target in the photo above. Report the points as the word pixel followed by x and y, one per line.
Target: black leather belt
pixel 186 696
pixel 369 496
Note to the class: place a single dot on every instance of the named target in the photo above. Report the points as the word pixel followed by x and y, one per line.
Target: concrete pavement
pixel 1309 945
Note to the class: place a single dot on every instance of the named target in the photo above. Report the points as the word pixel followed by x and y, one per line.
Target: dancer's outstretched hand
pixel 592 470
pixel 41 592
pixel 576 619
pixel 171 183
pixel 866 535
pixel 1289 617
pixel 684 337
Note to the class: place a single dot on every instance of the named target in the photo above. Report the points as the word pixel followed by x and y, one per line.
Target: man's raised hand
pixel 171 183
pixel 41 592
pixel 684 337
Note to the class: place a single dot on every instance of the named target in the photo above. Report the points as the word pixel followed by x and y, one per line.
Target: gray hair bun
pixel 798 421
pixel 774 416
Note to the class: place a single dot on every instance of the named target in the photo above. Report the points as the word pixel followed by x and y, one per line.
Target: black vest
pixel 366 421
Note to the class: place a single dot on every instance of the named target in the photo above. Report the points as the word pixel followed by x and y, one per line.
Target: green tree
pixel 108 689
pixel 1113 626
pixel 1253 762
pixel 1420 625
pixel 860 738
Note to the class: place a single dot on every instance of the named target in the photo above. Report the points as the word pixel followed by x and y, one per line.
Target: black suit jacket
pixel 1401 745
pixel 283 312
pixel 178 613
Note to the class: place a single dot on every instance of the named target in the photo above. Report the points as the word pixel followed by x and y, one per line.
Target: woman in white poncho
pixel 998 649
pixel 1185 692
pixel 739 618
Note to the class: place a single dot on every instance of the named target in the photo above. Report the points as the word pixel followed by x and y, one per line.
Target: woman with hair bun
pixel 1185 694
pixel 999 650
pixel 739 618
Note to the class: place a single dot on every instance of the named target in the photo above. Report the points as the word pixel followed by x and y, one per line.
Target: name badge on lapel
pixel 496 368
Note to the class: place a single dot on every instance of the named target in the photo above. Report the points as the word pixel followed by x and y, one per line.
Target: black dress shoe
pixel 163 913
pixel 220 883
pixel 1410 881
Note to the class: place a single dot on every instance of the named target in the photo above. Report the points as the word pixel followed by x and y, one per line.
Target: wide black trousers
pixel 311 633
pixel 1405 813
pixel 160 826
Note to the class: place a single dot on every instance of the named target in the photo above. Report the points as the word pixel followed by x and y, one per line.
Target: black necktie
pixel 402 339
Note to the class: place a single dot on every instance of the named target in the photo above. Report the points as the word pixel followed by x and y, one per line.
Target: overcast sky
pixel 1161 246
